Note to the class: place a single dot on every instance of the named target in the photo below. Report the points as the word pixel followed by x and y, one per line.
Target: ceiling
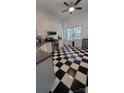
pixel 55 7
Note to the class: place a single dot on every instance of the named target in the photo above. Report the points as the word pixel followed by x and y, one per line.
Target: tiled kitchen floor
pixel 71 70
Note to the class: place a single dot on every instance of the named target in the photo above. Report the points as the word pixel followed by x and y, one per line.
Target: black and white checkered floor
pixel 71 70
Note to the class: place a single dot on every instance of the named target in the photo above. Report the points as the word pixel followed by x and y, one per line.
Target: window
pixel 73 33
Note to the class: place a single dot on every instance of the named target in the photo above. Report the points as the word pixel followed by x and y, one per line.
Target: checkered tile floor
pixel 71 70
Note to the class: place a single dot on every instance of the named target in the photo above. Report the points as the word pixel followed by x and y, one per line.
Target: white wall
pixel 47 22
pixel 78 20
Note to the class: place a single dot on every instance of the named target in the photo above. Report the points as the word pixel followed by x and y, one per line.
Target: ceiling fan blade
pixel 66 4
pixel 78 1
pixel 78 8
pixel 70 13
pixel 65 10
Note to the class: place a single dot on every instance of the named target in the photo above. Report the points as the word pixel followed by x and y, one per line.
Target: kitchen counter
pixel 41 56
pixel 44 71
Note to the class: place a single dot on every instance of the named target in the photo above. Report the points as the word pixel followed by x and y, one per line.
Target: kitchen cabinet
pixel 44 72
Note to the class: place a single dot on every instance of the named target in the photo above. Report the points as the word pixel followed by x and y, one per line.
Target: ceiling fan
pixel 72 6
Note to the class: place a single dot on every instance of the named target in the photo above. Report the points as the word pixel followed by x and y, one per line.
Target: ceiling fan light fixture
pixel 71 9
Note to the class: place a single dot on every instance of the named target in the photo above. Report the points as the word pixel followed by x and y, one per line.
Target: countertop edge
pixel 41 56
